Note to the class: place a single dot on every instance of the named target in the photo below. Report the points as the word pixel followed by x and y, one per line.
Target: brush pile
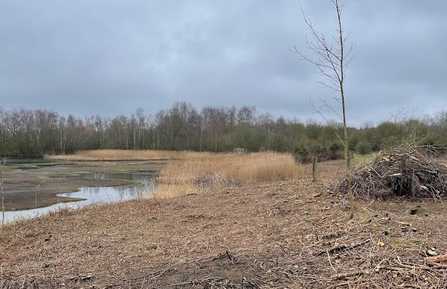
pixel 402 172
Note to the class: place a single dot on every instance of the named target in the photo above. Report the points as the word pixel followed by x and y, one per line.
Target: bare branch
pixel 325 85
pixel 337 99
pixel 331 108
pixel 318 111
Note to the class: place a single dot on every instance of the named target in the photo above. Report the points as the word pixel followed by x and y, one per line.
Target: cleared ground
pixel 284 234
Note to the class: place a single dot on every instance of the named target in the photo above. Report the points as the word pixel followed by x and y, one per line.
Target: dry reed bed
pixel 114 155
pixel 218 171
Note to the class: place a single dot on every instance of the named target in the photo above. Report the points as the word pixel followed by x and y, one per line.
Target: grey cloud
pixel 111 57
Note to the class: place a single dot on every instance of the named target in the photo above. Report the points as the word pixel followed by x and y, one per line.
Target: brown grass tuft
pixel 113 155
pixel 217 171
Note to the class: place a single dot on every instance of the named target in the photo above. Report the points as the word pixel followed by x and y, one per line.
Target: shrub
pixel 301 155
pixel 335 152
pixel 363 148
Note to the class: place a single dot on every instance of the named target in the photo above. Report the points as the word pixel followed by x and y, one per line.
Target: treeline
pixel 26 132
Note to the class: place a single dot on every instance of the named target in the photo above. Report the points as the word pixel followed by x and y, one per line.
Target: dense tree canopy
pixel 182 127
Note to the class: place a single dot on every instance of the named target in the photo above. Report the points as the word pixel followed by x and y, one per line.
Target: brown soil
pixel 263 235
pixel 25 189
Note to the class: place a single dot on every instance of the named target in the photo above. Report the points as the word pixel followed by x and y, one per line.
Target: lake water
pixel 95 195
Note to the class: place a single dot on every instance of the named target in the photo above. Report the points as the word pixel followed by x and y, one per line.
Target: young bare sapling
pixel 331 57
pixel 2 165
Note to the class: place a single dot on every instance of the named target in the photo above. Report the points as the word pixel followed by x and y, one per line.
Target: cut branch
pixel 437 259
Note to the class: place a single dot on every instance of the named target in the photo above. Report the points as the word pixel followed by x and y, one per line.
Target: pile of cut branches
pixel 403 172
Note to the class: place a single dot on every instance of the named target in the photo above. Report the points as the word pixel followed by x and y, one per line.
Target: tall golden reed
pixel 112 155
pixel 217 171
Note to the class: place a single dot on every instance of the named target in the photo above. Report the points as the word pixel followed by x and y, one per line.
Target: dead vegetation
pixel 128 155
pixel 402 172
pixel 279 234
pixel 218 171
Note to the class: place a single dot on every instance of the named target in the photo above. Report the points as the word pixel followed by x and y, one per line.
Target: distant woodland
pixel 26 132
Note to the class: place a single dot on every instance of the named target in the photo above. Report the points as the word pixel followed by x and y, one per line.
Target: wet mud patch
pixel 224 270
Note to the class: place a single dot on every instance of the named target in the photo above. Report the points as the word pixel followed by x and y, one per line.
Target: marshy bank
pixel 189 172
pixel 37 186
pixel 128 155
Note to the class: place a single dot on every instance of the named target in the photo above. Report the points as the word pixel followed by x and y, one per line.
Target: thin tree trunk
pixel 2 163
pixel 343 104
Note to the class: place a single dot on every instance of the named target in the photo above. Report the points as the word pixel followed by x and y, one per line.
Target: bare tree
pixel 331 57
pixel 2 164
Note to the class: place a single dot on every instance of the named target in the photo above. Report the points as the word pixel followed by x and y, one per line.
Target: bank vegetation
pixel 218 171
pixel 25 132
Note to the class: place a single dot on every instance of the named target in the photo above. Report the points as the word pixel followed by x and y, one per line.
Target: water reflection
pixel 91 195
pixel 129 176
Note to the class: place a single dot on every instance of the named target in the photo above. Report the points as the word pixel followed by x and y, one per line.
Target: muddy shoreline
pixel 38 186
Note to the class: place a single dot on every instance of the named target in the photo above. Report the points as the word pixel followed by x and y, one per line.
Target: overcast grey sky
pixel 111 57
